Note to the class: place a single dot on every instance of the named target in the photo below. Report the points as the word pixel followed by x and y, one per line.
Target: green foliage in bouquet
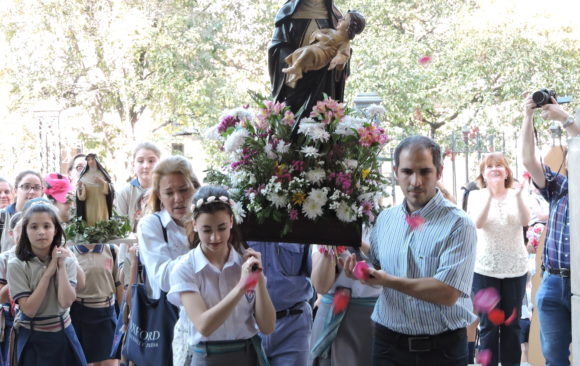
pixel 103 231
pixel 326 166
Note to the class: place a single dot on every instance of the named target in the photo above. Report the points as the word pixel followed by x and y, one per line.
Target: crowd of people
pixel 257 303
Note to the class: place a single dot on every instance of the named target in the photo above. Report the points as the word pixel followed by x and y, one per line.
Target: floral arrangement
pixel 325 165
pixel 103 231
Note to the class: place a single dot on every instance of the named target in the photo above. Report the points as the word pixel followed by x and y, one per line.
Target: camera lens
pixel 541 98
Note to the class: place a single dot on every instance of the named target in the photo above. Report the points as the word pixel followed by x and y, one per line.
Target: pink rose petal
pixel 252 281
pixel 361 270
pixel 415 221
pixel 340 301
pixel 484 357
pixel 512 317
pixel 424 60
pixel 485 300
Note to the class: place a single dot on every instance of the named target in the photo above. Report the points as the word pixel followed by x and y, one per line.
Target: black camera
pixel 543 97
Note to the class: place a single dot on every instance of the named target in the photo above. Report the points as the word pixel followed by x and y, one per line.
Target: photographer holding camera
pixel 554 295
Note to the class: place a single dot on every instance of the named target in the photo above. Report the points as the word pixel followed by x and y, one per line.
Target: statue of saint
pixel 294 25
pixel 95 192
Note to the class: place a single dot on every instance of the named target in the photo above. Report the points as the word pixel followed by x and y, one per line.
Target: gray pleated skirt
pixel 353 343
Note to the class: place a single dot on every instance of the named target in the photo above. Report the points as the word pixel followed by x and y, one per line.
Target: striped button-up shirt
pixel 443 247
pixel 557 247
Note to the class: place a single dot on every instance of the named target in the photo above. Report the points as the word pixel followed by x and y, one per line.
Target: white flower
pixel 283 147
pixel 239 213
pixel 315 175
pixel 279 200
pixel 351 163
pixel 311 208
pixel 212 133
pixel 375 110
pixel 320 195
pixel 319 134
pixel 307 125
pixel 348 123
pixel 235 140
pixel 345 213
pixel 269 152
pixel 243 114
pixel 310 152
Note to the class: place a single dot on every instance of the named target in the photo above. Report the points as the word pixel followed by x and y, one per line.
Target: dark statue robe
pixel 288 36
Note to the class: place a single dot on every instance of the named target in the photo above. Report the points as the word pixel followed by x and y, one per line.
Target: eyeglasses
pixel 28 187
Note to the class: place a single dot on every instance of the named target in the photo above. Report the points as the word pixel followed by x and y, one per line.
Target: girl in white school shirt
pixel 211 283
pixel 42 281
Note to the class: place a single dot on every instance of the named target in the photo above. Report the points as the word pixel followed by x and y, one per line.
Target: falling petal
pixel 512 317
pixel 485 300
pixel 361 270
pixel 340 249
pixel 526 175
pixel 252 280
pixel 415 221
pixel 496 316
pixel 340 301
pixel 424 60
pixel 484 357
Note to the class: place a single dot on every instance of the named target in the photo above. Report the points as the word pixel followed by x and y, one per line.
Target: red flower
pixel 512 317
pixel 340 301
pixel 252 281
pixel 496 316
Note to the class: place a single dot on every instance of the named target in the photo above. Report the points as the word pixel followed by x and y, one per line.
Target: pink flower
pixel 288 119
pixel 293 214
pixel 298 165
pixel 526 175
pixel 225 123
pixel 485 300
pixel 372 135
pixel 484 357
pixel 424 60
pixel 278 107
pixel 415 221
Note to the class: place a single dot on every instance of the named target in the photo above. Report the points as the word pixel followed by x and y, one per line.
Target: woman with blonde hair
pixel 162 235
pixel 500 212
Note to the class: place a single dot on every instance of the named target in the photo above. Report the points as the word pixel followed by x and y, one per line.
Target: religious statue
pixel 328 47
pixel 294 25
pixel 95 192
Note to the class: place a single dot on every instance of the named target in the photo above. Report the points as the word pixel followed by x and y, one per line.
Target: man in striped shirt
pixel 424 253
pixel 554 295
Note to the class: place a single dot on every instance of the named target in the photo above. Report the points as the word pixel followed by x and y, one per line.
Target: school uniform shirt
pixel 101 272
pixel 443 247
pixel 23 278
pixel 4 258
pixel 126 200
pixel 194 273
pixel 159 257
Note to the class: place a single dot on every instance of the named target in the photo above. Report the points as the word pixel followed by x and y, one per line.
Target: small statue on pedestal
pixel 95 192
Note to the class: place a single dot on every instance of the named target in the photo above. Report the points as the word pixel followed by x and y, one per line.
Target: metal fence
pixel 463 151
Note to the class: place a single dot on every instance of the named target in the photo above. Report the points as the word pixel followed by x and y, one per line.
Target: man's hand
pixel 554 112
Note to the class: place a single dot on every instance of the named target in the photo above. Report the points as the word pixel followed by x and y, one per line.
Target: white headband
pixel 223 199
